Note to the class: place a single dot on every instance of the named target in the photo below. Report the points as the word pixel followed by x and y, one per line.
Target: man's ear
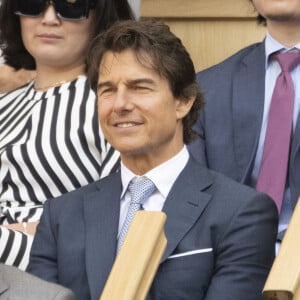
pixel 183 106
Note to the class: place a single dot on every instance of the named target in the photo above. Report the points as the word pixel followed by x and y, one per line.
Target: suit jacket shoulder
pixel 229 125
pixel 76 197
pixel 223 191
pixel 232 61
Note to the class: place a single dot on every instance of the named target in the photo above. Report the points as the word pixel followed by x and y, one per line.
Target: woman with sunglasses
pixel 50 140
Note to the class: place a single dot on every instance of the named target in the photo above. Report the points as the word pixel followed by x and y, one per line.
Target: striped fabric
pixel 50 143
pixel 15 248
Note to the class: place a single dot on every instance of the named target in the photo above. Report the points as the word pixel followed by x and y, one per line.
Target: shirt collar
pixel 273 46
pixel 163 176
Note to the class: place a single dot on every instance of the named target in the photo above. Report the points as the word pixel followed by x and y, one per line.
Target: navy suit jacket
pixel 233 225
pixel 230 124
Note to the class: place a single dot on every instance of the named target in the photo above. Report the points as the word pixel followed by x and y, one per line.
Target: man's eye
pixel 105 91
pixel 141 88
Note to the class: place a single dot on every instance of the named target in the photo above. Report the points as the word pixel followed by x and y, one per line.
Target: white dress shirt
pixel 163 176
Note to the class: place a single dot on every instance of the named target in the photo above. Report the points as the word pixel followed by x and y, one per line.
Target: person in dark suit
pixel 232 127
pixel 19 285
pixel 220 234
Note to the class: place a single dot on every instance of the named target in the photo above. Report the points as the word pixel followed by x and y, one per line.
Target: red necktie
pixel 273 169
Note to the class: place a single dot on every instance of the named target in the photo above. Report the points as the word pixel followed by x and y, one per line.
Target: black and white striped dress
pixel 50 143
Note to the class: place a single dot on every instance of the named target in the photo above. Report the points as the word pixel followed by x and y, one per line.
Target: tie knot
pixel 140 189
pixel 288 60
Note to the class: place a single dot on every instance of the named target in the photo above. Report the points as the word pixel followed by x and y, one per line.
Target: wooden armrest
pixel 138 259
pixel 283 282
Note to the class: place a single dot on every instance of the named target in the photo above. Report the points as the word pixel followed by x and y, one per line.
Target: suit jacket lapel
pixel 185 203
pixel 101 212
pixel 248 92
pixel 296 140
pixel 294 164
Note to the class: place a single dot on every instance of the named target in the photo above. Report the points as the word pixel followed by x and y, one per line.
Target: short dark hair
pixel 156 46
pixel 11 43
pixel 261 20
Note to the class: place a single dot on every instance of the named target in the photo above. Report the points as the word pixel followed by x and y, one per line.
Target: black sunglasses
pixel 65 9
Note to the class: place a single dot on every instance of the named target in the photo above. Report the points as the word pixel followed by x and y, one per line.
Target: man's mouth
pixel 127 124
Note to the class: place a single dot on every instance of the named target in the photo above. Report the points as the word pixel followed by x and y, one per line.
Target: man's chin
pixel 130 152
pixel 283 18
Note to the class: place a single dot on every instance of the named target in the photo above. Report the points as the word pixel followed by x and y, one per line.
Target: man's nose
pixel 122 100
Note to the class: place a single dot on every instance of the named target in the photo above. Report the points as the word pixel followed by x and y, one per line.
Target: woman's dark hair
pixel 155 47
pixel 11 44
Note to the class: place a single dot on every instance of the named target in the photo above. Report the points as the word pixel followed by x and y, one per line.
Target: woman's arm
pixel 28 228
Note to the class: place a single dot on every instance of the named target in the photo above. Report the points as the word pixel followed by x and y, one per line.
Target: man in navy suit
pixel 220 234
pixel 238 94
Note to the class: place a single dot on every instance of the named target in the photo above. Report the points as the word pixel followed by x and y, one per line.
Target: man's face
pixel 279 10
pixel 138 113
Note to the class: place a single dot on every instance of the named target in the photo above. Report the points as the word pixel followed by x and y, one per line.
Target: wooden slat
pixel 211 30
pixel 197 8
pixel 211 41
pixel 284 279
pixel 138 259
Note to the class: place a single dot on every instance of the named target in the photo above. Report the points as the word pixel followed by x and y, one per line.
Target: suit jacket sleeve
pixel 245 252
pixel 43 257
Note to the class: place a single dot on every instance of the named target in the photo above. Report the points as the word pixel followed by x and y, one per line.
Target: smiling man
pixel 220 234
pixel 138 111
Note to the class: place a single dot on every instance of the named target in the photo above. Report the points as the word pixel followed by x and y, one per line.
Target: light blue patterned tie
pixel 140 190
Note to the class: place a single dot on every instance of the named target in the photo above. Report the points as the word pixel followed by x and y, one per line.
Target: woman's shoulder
pixel 15 94
pixel 17 91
